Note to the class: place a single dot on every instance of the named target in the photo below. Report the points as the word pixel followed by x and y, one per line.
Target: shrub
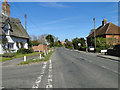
pixel 42 55
pixel 25 51
pixel 10 55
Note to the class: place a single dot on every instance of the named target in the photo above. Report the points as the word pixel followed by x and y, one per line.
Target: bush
pixel 42 55
pixel 98 49
pixel 10 55
pixel 25 51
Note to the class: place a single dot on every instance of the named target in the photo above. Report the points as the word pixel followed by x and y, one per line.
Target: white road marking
pixel 44 66
pixel 49 86
pixel 49 80
pixel 1 88
pixel 37 82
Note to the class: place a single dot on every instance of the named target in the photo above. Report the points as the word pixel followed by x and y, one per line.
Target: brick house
pixel 106 30
pixel 62 42
pixel 40 48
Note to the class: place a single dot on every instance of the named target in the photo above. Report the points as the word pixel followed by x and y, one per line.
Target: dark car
pixel 115 51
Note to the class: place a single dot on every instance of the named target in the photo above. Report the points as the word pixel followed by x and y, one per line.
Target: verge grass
pixel 46 58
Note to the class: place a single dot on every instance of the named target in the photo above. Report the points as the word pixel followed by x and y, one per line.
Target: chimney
pixel 104 22
pixel 5 9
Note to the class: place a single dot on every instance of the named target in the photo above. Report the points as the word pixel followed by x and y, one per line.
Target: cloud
pixel 54 4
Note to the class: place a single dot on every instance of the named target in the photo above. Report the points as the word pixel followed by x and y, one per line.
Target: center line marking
pixel 49 81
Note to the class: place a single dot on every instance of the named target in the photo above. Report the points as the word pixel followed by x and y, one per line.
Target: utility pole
pixel 94 34
pixel 25 22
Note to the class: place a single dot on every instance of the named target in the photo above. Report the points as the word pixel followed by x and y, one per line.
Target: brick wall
pixel 40 47
pixel 114 36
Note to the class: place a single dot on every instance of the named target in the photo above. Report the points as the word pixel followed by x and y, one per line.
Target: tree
pixel 4 42
pixel 101 43
pixel 34 38
pixel 50 39
pixel 68 44
pixel 76 41
pixel 42 39
pixel 66 40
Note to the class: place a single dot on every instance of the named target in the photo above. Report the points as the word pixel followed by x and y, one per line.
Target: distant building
pixel 12 30
pixel 106 30
pixel 62 42
pixel 40 48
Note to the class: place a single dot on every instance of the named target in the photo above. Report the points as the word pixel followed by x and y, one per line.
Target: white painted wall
pixel 12 39
pixel 1 50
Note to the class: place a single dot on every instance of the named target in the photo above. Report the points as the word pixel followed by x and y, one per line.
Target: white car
pixel 91 49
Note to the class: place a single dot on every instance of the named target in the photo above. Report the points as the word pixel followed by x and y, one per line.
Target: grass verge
pixel 3 59
pixel 46 58
pixel 22 55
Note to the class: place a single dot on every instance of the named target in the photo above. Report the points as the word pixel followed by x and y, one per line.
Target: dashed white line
pixel 49 82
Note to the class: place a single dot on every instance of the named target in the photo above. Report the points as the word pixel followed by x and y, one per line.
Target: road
pixel 65 69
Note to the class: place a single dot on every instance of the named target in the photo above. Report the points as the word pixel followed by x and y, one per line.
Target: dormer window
pixel 7 28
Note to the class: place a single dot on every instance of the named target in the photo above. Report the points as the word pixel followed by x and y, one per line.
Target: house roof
pixel 17 29
pixel 107 29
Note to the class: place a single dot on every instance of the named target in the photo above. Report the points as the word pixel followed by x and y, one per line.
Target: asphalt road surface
pixel 65 69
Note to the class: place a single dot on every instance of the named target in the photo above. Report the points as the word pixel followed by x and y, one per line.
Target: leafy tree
pixel 76 41
pixel 68 44
pixel 101 43
pixel 50 39
pixel 4 42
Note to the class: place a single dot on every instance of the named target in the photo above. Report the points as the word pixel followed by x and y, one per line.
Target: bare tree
pixel 34 38
pixel 42 39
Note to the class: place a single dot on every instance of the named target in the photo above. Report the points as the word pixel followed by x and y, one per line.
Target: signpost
pixel 79 44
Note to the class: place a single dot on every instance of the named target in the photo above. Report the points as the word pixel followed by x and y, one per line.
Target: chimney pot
pixel 104 22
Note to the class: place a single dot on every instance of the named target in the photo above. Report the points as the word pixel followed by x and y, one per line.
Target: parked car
pixel 115 51
pixel 91 49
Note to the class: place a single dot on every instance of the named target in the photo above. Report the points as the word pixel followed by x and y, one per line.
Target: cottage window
pixel 6 28
pixel 10 45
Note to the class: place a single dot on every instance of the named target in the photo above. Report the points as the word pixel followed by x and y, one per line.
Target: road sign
pixel 79 44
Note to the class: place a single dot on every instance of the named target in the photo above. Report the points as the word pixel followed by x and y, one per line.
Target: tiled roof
pixel 109 28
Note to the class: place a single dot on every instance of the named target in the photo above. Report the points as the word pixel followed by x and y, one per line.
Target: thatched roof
pixel 17 29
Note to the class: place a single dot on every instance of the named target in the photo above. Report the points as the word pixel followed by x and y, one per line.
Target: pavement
pixel 100 55
pixel 65 69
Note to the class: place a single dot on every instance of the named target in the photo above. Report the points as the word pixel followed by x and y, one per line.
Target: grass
pixel 22 55
pixel 3 59
pixel 38 60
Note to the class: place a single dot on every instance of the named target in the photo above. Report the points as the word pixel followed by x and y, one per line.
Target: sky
pixel 64 19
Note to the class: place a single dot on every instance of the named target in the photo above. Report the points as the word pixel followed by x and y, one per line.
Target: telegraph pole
pixel 25 22
pixel 94 34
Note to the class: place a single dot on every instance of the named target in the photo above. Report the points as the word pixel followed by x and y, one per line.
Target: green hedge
pixel 9 55
pixel 25 51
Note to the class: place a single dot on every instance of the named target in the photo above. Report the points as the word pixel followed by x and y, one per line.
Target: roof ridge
pixel 108 27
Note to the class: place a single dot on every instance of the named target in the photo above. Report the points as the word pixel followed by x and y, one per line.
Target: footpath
pixel 100 55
